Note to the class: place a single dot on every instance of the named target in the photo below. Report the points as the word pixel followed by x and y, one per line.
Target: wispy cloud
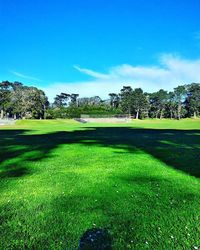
pixel 24 76
pixel 90 72
pixel 168 73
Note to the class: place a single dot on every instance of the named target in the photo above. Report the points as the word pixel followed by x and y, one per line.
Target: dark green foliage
pixel 74 101
pixel 158 102
pixel 61 100
pixel 179 98
pixel 20 101
pixel 5 97
pixel 73 111
pixel 193 99
pixel 114 100
pixel 139 103
pixel 126 95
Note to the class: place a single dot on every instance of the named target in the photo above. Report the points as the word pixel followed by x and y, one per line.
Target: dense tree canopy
pixel 193 99
pixel 19 101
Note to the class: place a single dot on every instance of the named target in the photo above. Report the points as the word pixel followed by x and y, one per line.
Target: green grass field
pixel 139 180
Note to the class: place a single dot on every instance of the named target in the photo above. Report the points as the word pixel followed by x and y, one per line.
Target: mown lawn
pixel 138 180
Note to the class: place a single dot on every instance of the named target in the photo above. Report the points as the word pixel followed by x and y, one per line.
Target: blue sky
pixel 93 47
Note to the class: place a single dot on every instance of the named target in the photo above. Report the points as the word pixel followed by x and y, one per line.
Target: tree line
pixel 19 101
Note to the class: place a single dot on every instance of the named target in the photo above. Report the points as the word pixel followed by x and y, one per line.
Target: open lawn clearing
pixel 139 180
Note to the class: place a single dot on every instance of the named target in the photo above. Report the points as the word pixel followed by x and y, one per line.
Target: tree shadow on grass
pixel 177 148
pixel 14 171
pixel 131 221
pixel 133 215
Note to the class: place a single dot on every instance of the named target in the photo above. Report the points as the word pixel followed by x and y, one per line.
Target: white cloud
pixel 170 72
pixel 24 76
pixel 91 72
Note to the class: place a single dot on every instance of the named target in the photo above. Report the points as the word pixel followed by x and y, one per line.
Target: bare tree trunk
pixel 195 114
pixel 129 111
pixel 137 114
pixel 44 115
pixel 161 113
pixel 179 111
pixel 171 114
pixel 157 114
pixel 1 116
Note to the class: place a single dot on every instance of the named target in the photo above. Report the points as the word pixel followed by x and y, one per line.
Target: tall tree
pixel 61 100
pixel 179 98
pixel 33 103
pixel 5 92
pixel 171 105
pixel 114 100
pixel 139 101
pixel 16 99
pixel 158 101
pixel 193 99
pixel 126 95
pixel 74 98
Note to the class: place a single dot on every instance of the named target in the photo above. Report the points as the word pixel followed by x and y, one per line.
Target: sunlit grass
pixel 139 180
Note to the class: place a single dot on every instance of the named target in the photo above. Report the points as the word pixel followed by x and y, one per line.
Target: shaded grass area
pixel 60 179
